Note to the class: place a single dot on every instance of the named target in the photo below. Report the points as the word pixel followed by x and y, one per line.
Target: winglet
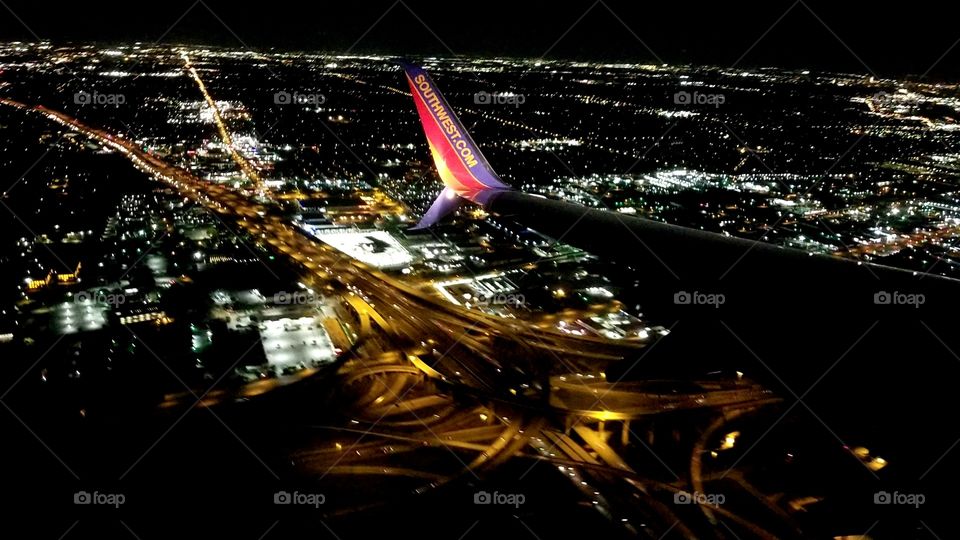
pixel 459 162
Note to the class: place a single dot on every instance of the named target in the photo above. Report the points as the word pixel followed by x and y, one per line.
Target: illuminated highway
pixel 405 415
pixel 248 171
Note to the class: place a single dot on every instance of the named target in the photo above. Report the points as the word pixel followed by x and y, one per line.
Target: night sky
pixel 864 37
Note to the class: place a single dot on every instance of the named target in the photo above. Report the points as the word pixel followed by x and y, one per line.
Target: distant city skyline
pixel 815 35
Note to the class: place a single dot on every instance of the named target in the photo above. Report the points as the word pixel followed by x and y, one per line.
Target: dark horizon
pixel 932 78
pixel 789 35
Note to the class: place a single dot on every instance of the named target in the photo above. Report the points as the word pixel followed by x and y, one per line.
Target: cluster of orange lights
pixel 54 277
pixel 158 319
